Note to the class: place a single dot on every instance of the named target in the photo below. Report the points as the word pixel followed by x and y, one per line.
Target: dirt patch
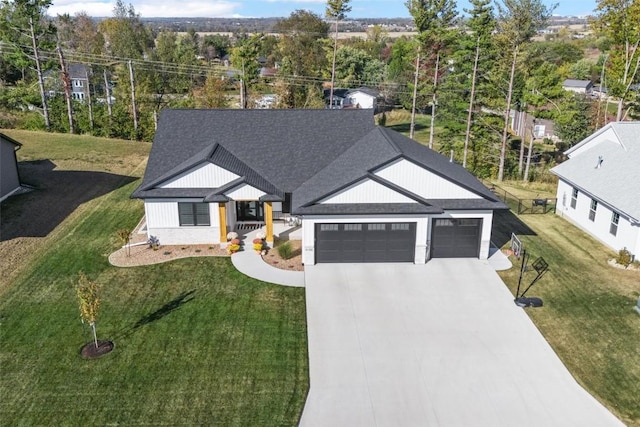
pixel 294 263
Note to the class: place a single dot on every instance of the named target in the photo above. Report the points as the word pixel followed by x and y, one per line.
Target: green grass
pixel 197 343
pixel 588 315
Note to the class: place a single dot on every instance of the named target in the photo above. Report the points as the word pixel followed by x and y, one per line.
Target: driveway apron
pixel 440 344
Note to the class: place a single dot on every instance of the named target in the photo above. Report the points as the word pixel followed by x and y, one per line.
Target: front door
pixel 249 211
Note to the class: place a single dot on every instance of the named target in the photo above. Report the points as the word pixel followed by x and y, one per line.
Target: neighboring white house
pixel 578 86
pixel 599 186
pixel 9 177
pixel 363 97
pixel 362 193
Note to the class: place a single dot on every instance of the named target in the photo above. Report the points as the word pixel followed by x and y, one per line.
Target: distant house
pixel 578 86
pixel 525 125
pixel 339 98
pixel 79 76
pixel 599 186
pixel 78 79
pixel 362 97
pixel 9 176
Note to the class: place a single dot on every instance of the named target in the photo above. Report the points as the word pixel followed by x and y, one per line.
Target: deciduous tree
pixel 336 10
pixel 519 21
pixel 619 20
pixel 25 28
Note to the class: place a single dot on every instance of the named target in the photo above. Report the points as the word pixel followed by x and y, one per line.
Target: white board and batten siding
pixel 422 182
pixel 245 192
pixel 627 235
pixel 309 226
pixel 206 175
pixel 163 222
pixel 367 191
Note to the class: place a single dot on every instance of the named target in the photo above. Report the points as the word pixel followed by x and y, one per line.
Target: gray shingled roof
pixel 617 181
pixel 309 153
pixel 582 84
pixel 283 147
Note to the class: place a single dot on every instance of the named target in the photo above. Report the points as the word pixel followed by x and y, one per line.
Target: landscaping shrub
pixel 285 250
pixel 624 257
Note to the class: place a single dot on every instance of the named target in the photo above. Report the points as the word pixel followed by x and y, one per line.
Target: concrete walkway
pixel 249 262
pixel 440 344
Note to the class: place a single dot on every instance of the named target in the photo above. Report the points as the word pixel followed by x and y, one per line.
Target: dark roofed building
pixel 9 176
pixel 343 178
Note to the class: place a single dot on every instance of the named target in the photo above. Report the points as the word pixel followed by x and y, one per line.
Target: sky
pixel 271 8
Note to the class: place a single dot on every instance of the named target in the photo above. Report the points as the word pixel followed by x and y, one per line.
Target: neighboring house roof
pixel 577 84
pixel 337 93
pixel 605 165
pixel 11 140
pixel 77 71
pixel 367 91
pixel 309 153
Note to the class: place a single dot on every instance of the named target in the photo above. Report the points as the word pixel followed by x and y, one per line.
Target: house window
pixel 615 219
pixel 78 83
pixel 399 227
pixel 376 227
pixel 192 214
pixel 78 96
pixel 328 227
pixel 592 211
pixel 353 227
pixel 574 198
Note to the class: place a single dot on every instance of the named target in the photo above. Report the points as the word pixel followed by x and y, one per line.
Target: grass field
pixel 588 315
pixel 197 343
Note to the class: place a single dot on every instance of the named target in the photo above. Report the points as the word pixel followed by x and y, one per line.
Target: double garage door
pixel 395 242
pixel 365 242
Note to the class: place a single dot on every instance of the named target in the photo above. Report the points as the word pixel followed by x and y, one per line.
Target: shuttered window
pixel 192 214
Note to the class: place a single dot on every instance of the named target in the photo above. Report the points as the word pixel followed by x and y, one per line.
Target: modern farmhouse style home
pixel 360 192
pixel 599 186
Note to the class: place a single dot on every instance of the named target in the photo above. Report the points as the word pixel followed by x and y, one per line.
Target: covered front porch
pixel 245 216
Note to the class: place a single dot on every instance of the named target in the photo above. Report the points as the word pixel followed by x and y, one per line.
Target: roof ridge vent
pixel 599 164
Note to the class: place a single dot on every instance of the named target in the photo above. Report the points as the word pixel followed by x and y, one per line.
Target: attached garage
pixel 456 238
pixel 365 242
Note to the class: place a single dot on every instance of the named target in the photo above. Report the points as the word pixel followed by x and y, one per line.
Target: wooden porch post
pixel 268 218
pixel 222 213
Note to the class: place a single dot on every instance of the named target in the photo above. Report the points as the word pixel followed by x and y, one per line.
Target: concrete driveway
pixel 440 344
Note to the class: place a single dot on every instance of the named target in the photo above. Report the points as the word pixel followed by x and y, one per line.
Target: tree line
pixel 468 75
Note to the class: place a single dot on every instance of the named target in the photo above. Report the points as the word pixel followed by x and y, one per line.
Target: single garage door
pixel 456 238
pixel 365 242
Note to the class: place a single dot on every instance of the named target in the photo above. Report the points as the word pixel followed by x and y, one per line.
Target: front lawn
pixel 588 315
pixel 197 343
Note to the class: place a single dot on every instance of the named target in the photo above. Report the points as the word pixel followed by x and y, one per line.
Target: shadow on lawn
pixel 169 307
pixel 506 222
pixel 406 127
pixel 57 193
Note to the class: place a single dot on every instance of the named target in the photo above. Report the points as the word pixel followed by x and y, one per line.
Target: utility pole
pixel 133 98
pixel 507 113
pixel 66 85
pixel 36 55
pixel 471 99
pixel 415 95
pixel 434 101
pixel 86 75
pixel 107 92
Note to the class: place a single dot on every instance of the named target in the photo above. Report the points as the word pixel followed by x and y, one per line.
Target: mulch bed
pixel 90 351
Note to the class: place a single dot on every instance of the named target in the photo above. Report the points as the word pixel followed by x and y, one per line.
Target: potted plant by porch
pixel 233 246
pixel 258 245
